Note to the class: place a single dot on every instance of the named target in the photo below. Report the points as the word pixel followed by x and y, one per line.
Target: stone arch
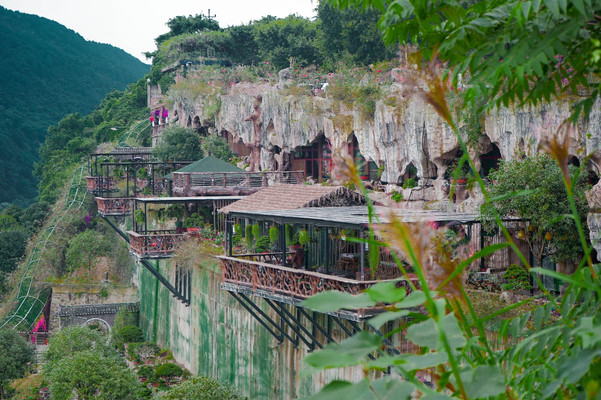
pixel 270 129
pixel 189 122
pixel 450 160
pixel 96 319
pixel 364 166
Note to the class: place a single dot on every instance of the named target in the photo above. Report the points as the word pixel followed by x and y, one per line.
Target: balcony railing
pixel 114 205
pixel 183 182
pixel 156 244
pixel 100 183
pixel 286 281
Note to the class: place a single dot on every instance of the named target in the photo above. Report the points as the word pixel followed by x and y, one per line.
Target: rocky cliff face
pixel 410 132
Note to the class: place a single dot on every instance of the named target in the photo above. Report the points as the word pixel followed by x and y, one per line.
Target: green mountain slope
pixel 48 71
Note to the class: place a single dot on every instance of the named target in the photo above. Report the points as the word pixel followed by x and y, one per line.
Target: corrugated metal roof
pixel 355 216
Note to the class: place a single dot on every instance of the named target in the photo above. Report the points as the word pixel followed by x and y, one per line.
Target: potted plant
pixel 291 239
pixel 274 235
pixel 139 217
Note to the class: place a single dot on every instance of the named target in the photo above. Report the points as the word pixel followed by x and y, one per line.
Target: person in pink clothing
pixel 164 115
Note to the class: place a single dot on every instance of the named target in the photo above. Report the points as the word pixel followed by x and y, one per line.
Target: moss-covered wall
pixel 217 337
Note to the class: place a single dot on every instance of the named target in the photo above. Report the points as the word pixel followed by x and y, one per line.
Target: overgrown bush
pixel 517 278
pixel 217 147
pixel 202 387
pixel 142 351
pixel 146 371
pixel 396 196
pixel 127 334
pixel 179 144
pixel 410 183
pixel 168 371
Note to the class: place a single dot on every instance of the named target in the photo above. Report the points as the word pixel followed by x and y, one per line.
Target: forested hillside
pixel 48 71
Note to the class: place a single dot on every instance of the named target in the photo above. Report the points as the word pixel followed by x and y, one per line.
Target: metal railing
pixel 290 281
pixel 155 244
pixel 186 180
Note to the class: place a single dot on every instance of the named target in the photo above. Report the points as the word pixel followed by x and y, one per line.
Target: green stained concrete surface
pixel 215 336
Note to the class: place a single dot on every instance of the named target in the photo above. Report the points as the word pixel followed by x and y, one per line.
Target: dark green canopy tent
pixel 207 164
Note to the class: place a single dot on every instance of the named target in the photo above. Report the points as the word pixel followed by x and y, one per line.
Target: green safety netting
pixel 30 301
pixel 133 133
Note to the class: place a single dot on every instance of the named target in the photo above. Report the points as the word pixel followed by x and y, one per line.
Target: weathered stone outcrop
pixel 409 133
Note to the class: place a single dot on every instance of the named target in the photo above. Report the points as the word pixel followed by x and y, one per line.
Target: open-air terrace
pixel 304 251
pixel 160 223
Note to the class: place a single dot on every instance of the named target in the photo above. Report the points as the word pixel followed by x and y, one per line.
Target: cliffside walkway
pixel 29 301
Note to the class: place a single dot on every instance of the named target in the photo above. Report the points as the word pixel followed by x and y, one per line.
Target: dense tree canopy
pixel 217 147
pixel 350 35
pixel 190 24
pixel 48 71
pixel 84 248
pixel 542 210
pixel 82 361
pixel 279 40
pixel 524 51
pixel 15 355
pixel 178 144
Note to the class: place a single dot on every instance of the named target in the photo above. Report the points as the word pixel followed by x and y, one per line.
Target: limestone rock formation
pixel 272 122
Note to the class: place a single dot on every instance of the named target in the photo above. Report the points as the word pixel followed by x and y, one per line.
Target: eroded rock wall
pixel 394 136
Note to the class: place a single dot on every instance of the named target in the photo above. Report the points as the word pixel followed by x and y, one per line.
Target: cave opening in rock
pixel 490 161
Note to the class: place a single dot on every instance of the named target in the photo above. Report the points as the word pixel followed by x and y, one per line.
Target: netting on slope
pixel 133 133
pixel 29 302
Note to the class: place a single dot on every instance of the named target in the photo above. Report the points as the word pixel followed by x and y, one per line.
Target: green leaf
pixel 428 360
pixel 589 333
pixel 579 5
pixel 337 390
pixel 414 299
pixel 334 300
pixel 386 292
pixel 387 316
pixel 392 389
pixel 349 352
pixel 426 333
pixel 483 381
pixel 538 318
pixel 526 9
pixel 380 389
pixel 573 368
pixel 436 396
